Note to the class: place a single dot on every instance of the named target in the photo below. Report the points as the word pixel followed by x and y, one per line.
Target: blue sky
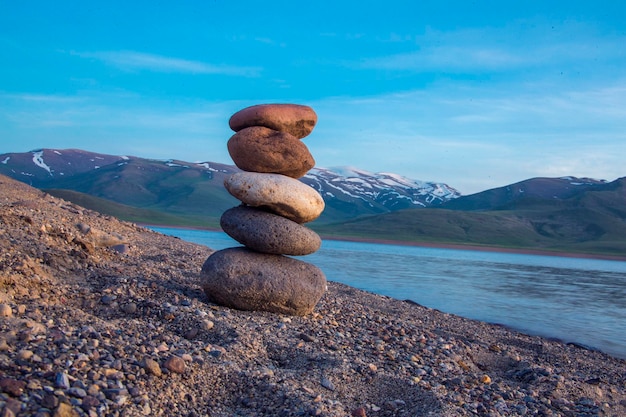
pixel 476 94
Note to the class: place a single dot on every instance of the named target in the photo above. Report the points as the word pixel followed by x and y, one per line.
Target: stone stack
pixel 267 146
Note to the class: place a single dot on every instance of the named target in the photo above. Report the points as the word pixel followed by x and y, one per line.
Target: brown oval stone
pixel 247 280
pixel 152 367
pixel 175 364
pixel 269 233
pixel 259 149
pixel 295 119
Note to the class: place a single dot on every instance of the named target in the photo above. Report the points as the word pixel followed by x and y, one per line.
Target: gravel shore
pixel 100 317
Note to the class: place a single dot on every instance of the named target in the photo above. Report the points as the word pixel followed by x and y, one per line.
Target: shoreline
pixel 460 246
pixel 548 336
pixel 437 245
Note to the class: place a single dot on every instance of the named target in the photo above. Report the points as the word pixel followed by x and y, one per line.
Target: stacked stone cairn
pixel 267 147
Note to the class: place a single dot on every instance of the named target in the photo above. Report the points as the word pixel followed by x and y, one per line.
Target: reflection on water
pixel 577 300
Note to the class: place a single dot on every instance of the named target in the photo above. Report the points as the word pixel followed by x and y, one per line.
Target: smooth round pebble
pixel 175 364
pixel 152 367
pixel 6 310
pixel 259 149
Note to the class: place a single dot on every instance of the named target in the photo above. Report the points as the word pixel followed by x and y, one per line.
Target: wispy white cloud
pixel 446 57
pixel 269 41
pixel 39 98
pixel 497 49
pixel 481 136
pixel 137 61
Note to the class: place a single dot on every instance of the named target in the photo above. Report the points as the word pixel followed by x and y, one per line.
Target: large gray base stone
pixel 247 280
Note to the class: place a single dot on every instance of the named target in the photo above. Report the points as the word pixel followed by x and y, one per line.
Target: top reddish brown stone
pixel 295 119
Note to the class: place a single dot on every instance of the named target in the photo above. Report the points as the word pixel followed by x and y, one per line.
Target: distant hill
pixel 195 191
pixel 176 188
pixel 555 214
pixel 524 193
pixel 552 214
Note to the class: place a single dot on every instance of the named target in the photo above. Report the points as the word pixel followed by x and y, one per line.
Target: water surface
pixel 574 299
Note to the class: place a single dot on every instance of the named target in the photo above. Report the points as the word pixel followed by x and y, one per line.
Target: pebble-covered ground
pixel 104 318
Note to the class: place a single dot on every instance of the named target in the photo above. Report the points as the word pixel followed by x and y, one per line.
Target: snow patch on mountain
pixel 172 163
pixel 38 160
pixel 383 189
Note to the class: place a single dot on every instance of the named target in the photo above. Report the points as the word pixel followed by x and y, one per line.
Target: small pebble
pixel 77 392
pixel 359 412
pixel 306 337
pixel 129 308
pixel 175 364
pixel 12 386
pixel 50 401
pixel 5 310
pixel 25 354
pixel 108 299
pixel 65 410
pixel 191 333
pixel 61 380
pixel 152 367
pixel 327 383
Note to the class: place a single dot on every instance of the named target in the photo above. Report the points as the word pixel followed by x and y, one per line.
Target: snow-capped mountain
pixel 383 190
pixel 48 164
pixel 347 192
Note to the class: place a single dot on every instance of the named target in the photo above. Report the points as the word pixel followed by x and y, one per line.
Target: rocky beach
pixel 100 317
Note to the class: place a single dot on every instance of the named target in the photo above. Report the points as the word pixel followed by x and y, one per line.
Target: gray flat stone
pixel 269 233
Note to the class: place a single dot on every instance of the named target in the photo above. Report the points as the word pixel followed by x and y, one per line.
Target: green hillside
pixel 548 214
pixel 152 185
pixel 593 222
pixel 570 230
pixel 134 214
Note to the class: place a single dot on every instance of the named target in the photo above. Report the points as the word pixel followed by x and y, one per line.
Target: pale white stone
pixel 277 193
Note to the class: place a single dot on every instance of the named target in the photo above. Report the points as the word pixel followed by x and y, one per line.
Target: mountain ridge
pixel 538 187
pixel 177 186
pixel 565 214
pixel 591 220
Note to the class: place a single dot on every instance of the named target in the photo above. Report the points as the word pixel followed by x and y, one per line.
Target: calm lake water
pixel 572 299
